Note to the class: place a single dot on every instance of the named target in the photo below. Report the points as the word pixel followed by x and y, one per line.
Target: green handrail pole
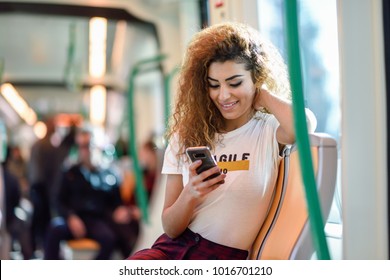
pixel 302 138
pixel 70 56
pixel 167 94
pixel 71 49
pixel 140 191
pixel 1 69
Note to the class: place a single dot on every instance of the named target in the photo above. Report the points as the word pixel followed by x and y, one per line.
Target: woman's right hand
pixel 180 201
pixel 198 185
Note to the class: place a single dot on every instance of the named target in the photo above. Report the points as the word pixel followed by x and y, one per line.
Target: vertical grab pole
pixel 140 192
pixel 167 93
pixel 1 69
pixel 304 152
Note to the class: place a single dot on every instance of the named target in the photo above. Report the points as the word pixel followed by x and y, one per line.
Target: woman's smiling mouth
pixel 229 105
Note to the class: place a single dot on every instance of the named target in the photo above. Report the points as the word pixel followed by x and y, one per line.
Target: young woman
pixel 234 97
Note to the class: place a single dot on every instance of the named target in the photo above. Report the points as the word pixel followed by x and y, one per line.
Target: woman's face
pixel 232 90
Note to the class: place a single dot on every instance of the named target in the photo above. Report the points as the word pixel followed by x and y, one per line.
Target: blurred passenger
pixel 148 160
pixel 10 197
pixel 17 223
pixel 149 164
pixel 90 206
pixel 124 165
pixel 46 157
pixel 17 165
pixel 19 208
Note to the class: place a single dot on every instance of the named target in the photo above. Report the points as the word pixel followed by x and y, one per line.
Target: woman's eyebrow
pixel 227 79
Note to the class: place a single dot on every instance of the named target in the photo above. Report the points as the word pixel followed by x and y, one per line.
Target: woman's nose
pixel 224 93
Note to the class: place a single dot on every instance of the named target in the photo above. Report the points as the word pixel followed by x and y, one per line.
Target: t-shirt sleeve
pixel 171 163
pixel 270 143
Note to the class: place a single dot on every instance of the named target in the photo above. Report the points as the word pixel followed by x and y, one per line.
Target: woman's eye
pixel 213 86
pixel 236 84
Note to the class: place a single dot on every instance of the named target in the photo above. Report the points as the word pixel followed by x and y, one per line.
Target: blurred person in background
pixel 19 209
pixel 10 196
pixel 46 158
pixel 149 164
pixel 17 165
pixel 90 206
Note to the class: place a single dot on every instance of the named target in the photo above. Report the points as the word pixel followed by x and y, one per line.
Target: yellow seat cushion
pixel 83 244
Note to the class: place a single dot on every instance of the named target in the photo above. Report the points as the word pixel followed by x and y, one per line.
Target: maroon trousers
pixel 188 246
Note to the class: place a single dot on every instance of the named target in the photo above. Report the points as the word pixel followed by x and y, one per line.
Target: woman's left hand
pixel 260 97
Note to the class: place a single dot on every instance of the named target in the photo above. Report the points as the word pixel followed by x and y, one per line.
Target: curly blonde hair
pixel 195 118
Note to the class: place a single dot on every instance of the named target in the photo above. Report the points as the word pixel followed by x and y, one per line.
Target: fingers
pixel 259 101
pixel 213 172
pixel 205 182
pixel 194 166
pixel 209 185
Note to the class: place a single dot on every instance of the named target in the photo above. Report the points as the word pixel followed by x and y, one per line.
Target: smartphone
pixel 202 153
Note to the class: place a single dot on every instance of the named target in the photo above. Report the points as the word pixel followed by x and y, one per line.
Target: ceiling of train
pixel 44 52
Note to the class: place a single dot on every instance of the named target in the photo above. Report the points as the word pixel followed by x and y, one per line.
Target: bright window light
pixel 18 103
pixel 97 46
pixel 98 105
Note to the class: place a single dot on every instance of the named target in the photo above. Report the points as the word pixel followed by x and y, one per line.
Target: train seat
pixel 79 249
pixel 286 232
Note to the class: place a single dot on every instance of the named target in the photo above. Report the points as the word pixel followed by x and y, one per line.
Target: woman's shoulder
pixel 265 119
pixel 173 141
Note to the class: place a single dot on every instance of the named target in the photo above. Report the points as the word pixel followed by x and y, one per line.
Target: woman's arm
pixel 180 201
pixel 282 110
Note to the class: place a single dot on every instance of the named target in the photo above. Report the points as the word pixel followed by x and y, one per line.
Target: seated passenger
pixel 149 162
pixel 234 97
pixel 10 192
pixel 17 201
pixel 90 206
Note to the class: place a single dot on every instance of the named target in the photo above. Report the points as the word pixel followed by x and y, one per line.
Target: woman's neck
pixel 231 125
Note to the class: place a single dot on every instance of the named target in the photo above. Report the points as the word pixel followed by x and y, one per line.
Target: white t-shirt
pixel 232 214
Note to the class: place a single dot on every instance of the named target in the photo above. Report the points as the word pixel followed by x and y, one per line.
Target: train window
pixel 48 53
pixel 319 52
